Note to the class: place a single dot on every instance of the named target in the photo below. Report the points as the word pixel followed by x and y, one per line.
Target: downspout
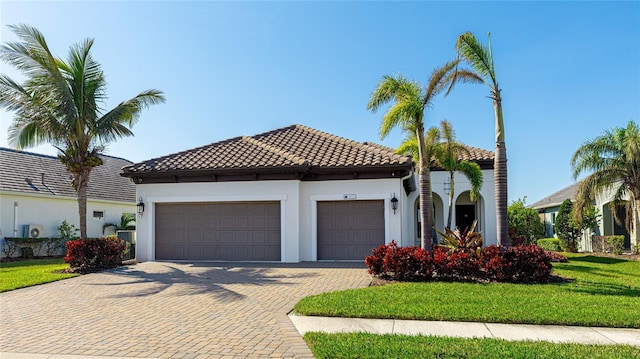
pixel 402 218
pixel 15 219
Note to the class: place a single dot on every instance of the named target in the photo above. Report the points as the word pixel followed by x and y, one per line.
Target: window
pixel 98 215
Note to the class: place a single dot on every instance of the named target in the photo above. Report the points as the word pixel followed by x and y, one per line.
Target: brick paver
pixel 171 310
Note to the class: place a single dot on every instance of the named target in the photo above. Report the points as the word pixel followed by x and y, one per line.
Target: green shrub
pixel 616 243
pixel 566 229
pixel 550 244
pixel 524 222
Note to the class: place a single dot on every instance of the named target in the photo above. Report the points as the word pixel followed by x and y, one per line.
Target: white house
pixel 292 194
pixel 36 195
pixel 548 208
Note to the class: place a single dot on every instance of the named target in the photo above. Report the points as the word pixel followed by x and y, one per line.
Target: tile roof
pixel 557 198
pixel 295 147
pixel 24 172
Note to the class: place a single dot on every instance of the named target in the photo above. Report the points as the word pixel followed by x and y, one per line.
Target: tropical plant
pixel 410 102
pixel 565 228
pixel 127 222
pixel 614 160
pixel 524 221
pixel 444 151
pixel 480 58
pixel 60 104
pixel 67 230
pixel 450 155
pixel 466 241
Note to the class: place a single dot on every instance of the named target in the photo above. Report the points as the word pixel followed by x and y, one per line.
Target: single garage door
pixel 348 230
pixel 229 231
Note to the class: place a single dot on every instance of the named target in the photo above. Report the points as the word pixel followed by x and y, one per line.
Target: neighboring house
pixel 548 208
pixel 292 194
pixel 36 193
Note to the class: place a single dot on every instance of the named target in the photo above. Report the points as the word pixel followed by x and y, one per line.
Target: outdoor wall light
pixel 394 203
pixel 140 206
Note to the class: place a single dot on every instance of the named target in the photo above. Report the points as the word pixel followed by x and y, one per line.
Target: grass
pixel 603 292
pixel 14 275
pixel 360 345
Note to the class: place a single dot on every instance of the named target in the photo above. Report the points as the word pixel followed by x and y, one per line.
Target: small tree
pixel 565 227
pixel 524 222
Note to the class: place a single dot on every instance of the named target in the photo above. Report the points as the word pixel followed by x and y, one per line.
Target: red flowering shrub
pixel 513 264
pixel 516 264
pixel 556 257
pixel 400 263
pixel 375 261
pixel 92 255
pixel 461 265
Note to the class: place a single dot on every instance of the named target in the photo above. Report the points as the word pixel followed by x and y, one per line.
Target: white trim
pixel 151 202
pixel 283 223
pixel 315 198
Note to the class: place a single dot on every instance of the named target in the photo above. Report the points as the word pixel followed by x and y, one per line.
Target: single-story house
pixel 36 195
pixel 548 208
pixel 289 195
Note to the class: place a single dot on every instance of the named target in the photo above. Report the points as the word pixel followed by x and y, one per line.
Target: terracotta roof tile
pixel 294 146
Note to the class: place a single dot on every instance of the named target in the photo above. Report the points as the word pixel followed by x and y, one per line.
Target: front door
pixel 465 215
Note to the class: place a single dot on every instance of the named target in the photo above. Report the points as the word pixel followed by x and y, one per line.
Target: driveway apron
pixel 171 310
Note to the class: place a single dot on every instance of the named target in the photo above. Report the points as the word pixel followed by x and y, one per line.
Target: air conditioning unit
pixel 127 236
pixel 33 231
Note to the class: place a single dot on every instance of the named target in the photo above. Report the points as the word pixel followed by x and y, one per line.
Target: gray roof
pixel 557 198
pixel 27 172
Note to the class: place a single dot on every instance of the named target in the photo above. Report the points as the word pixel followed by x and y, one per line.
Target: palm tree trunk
pixel 82 180
pixel 425 190
pixel 451 190
pixel 425 208
pixel 635 230
pixel 500 172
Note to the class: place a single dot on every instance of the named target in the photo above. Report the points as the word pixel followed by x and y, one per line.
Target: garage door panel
pixel 247 231
pixel 348 230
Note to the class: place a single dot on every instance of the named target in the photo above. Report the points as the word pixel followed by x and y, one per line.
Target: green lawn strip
pixel 362 345
pixel 14 275
pixel 604 293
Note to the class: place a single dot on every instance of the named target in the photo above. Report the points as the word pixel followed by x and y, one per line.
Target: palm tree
pixel 480 58
pixel 410 101
pixel 614 160
pixel 60 103
pixel 445 152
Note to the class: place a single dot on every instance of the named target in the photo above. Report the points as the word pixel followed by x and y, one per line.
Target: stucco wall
pixel 50 211
pixel 486 209
pixel 297 198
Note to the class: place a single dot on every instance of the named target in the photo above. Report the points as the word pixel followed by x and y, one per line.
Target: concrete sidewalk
pixel 551 333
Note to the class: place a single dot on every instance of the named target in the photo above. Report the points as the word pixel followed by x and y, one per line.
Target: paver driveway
pixel 171 310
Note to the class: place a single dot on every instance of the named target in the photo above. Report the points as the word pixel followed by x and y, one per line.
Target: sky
pixel 568 70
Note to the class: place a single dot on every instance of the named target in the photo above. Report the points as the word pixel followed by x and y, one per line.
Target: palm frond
pixel 478 56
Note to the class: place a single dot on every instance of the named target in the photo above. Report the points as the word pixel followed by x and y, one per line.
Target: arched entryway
pixel 467 211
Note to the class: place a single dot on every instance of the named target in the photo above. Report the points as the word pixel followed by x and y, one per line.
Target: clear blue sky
pixel 568 70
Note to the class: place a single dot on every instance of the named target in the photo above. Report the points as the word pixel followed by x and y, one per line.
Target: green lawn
pixel 360 345
pixel 604 292
pixel 14 275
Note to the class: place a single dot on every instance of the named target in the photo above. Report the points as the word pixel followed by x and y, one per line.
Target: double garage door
pixel 250 231
pixel 228 231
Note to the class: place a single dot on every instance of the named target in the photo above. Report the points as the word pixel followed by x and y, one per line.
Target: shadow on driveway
pixel 212 278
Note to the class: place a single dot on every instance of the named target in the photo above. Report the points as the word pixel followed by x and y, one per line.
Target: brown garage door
pixel 348 230
pixel 230 231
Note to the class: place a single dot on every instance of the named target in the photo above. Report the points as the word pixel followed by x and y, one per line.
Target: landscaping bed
pixel 598 291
